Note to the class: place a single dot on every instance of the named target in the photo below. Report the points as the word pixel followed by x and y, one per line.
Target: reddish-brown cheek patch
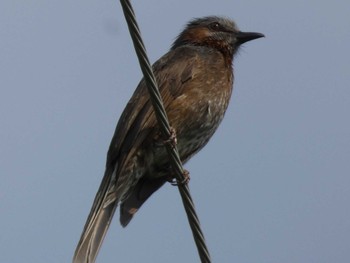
pixel 198 35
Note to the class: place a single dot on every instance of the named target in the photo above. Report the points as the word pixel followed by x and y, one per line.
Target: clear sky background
pixel 272 186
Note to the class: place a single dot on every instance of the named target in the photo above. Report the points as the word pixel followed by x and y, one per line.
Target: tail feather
pixel 102 213
pixel 97 223
pixel 91 240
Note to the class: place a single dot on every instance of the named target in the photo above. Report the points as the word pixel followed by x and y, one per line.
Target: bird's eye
pixel 215 26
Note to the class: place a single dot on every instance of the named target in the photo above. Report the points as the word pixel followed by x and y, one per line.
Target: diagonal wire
pixel 163 122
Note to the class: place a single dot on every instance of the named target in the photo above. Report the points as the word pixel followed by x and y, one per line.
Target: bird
pixel 195 79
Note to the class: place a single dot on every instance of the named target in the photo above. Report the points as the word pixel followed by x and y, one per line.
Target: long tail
pixel 102 213
pixel 96 225
pixel 91 241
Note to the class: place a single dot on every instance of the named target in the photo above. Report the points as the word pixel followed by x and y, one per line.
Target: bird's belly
pixel 193 131
pixel 198 133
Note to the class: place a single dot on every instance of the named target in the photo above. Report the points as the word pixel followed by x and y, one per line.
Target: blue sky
pixel 271 186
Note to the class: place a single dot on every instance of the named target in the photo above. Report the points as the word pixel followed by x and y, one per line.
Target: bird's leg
pixel 173 181
pixel 172 140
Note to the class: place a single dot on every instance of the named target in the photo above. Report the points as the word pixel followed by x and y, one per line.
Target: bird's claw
pixel 172 140
pixel 185 181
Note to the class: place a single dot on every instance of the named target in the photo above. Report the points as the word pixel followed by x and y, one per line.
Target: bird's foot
pixel 172 140
pixel 186 174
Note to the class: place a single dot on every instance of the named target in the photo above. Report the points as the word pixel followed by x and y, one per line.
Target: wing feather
pixel 135 125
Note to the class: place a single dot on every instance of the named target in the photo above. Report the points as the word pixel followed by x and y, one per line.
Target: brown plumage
pixel 195 80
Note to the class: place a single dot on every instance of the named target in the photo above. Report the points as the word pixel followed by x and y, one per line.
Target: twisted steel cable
pixel 163 122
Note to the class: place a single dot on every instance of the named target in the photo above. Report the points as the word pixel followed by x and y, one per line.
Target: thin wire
pixel 163 122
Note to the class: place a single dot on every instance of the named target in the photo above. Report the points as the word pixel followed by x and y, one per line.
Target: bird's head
pixel 214 32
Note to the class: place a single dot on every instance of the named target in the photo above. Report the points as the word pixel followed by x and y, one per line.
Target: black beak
pixel 243 37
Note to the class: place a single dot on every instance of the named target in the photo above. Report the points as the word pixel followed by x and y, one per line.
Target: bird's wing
pixel 136 123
